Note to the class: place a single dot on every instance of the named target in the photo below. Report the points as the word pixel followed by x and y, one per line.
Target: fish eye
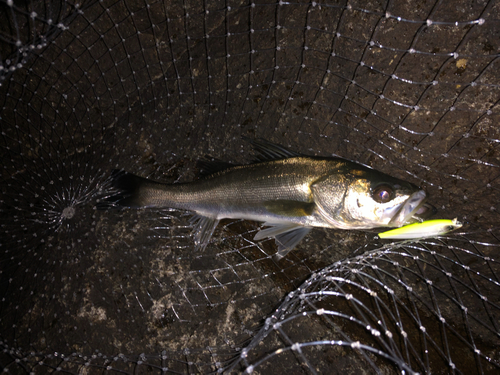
pixel 383 194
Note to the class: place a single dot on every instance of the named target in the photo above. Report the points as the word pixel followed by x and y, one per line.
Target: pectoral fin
pixel 203 228
pixel 289 208
pixel 286 236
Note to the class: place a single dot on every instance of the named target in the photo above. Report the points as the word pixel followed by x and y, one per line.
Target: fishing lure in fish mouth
pixel 289 192
pixel 426 229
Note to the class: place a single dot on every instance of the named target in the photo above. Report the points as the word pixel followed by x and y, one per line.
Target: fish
pixel 426 229
pixel 289 192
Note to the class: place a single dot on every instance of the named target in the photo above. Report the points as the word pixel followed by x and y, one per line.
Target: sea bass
pixel 289 192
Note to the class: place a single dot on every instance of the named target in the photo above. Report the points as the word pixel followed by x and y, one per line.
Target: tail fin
pixel 124 191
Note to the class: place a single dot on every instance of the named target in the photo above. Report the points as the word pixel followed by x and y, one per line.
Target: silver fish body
pixel 289 193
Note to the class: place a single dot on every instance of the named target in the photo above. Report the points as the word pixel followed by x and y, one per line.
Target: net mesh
pixel 410 88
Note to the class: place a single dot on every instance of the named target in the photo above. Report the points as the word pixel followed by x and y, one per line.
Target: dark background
pixel 409 88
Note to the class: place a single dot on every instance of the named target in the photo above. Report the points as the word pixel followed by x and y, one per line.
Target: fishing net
pixel 410 88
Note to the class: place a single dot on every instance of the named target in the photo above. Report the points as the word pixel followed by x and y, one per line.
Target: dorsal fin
pixel 208 167
pixel 267 151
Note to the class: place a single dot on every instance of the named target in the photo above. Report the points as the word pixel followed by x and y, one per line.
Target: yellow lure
pixel 430 228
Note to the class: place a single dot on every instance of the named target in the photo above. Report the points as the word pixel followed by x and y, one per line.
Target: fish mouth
pixel 413 206
pixel 424 211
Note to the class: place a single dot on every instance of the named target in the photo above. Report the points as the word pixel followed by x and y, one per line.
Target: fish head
pixel 364 198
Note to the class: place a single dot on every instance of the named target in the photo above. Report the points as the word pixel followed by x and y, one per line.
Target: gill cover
pixel 329 194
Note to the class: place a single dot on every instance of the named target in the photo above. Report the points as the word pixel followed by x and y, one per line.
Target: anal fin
pixel 286 236
pixel 203 228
